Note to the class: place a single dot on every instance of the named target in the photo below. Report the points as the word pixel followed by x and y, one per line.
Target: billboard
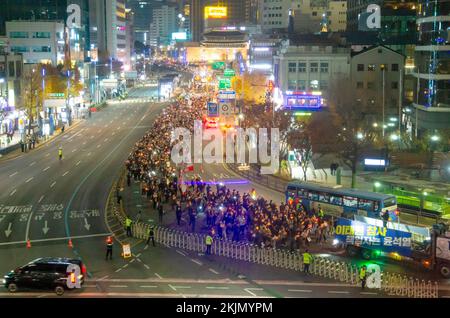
pixel 181 36
pixel 371 236
pixel 303 101
pixel 215 12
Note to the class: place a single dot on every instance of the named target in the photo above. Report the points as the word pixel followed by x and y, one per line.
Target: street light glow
pixel 394 137
pixel 435 138
pixel 359 135
pixel 377 184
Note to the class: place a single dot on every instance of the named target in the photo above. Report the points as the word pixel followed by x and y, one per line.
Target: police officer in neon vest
pixel 128 226
pixel 307 259
pixel 208 242
pixel 363 276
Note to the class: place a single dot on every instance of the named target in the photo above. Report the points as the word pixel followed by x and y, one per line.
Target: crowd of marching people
pixel 212 206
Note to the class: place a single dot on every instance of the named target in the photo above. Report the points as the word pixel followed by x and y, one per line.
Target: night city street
pixel 233 150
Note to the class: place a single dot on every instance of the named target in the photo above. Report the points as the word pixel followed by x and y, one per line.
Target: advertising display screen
pixel 372 236
pixel 303 101
pixel 179 36
pixel 215 12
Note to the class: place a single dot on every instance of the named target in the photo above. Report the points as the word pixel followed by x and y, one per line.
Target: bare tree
pixel 299 140
pixel 350 136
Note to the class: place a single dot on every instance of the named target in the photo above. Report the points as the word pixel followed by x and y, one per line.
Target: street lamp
pixel 383 69
pixel 435 138
pixel 394 137
pixel 359 136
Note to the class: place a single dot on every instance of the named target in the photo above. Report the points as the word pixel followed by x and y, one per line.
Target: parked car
pixel 45 273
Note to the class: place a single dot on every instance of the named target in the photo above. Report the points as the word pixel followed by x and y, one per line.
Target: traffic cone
pixel 28 243
pixel 70 243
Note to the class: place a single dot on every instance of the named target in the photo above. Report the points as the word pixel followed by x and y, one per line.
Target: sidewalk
pixel 17 152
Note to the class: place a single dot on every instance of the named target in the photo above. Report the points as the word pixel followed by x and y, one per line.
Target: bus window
pixel 365 204
pixel 390 202
pixel 312 195
pixel 302 193
pixel 292 193
pixel 351 202
pixel 324 197
pixel 376 206
pixel 334 199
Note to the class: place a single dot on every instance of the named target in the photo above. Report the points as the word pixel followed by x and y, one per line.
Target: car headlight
pixel 335 242
pixel 3 281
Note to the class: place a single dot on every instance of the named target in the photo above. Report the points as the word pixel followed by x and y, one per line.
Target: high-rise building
pixel 197 19
pixel 50 10
pixel 432 72
pixel 397 17
pixel 142 18
pixel 163 25
pixel 274 15
pixel 313 16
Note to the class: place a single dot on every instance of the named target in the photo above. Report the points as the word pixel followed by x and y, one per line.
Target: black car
pixel 44 273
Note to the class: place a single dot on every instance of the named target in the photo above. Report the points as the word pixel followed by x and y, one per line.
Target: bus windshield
pixel 390 202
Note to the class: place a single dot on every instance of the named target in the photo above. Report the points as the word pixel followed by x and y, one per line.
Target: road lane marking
pixel 89 154
pixel 118 270
pixel 146 266
pixel 57 238
pixel 173 288
pixel 29 179
pixel 213 271
pixel 78 163
pixel 65 173
pixel 249 290
pixel 182 287
pixel 159 276
pixel 196 262
pixel 104 277
pixel 41 199
pixel 12 193
pixel 12 175
pixel 74 150
pixel 338 292
pixel 217 287
pixel 138 255
pixel 300 290
pixel 181 253
pixel 368 293
pixel 118 286
pixel 139 260
pixel 106 139
pixel 46 169
pixel 33 163
pixel 98 146
pixel 148 286
pixel 54 182
pixel 132 261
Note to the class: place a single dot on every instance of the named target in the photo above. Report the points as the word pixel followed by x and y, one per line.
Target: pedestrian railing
pixel 391 283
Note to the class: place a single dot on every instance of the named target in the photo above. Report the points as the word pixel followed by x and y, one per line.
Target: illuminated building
pixel 236 10
pixel 218 45
pixel 432 73
pixel 310 64
pixel 43 46
pixel 163 25
pixel 308 15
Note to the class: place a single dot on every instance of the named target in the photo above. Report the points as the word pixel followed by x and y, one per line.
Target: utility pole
pixel 383 69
